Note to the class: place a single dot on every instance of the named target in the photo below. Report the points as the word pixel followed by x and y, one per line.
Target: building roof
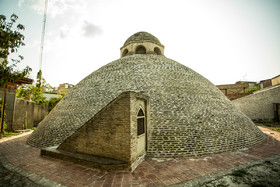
pixel 275 76
pixel 142 36
pixel 21 81
pixel 24 81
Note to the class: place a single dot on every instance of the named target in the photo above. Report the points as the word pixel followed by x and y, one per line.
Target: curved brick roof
pixel 142 36
pixel 188 114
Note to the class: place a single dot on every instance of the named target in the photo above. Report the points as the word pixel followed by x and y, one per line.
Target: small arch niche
pixel 157 51
pixel 124 52
pixel 140 50
pixel 140 122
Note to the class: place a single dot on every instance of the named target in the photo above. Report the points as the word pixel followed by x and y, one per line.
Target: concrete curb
pixel 38 179
pixel 217 175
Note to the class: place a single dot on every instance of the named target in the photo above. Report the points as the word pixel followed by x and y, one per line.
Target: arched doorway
pixel 141 132
pixel 140 122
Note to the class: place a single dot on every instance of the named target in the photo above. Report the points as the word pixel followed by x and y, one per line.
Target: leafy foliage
pixel 35 91
pixel 53 102
pixel 250 90
pixel 7 134
pixel 10 41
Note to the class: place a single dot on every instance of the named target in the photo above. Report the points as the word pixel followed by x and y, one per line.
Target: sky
pixel 223 40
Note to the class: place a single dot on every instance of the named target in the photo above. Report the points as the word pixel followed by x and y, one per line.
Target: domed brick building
pixel 145 104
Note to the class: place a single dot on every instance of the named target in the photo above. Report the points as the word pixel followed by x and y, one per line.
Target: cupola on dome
pixel 142 43
pixel 142 36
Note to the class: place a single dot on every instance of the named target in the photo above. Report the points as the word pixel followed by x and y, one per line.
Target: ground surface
pixel 258 165
pixel 13 179
pixel 262 174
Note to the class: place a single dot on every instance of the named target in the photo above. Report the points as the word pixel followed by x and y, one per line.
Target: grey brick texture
pixel 189 116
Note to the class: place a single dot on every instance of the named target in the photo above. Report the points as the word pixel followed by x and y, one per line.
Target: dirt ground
pixel 13 179
pixel 265 174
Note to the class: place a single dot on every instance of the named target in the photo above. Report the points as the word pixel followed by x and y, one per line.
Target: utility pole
pixel 42 43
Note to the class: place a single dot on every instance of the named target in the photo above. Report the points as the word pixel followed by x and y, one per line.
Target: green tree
pixel 11 39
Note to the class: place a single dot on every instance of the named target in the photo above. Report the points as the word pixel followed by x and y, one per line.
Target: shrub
pixel 239 173
pixel 251 90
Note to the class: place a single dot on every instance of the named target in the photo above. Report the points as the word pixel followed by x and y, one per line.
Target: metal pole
pixel 43 34
pixel 42 42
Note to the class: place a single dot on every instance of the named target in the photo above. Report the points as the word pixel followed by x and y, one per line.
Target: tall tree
pixel 10 41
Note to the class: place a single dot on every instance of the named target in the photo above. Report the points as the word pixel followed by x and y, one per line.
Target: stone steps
pixel 91 161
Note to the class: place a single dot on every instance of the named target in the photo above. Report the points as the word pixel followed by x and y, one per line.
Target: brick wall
pixel 275 80
pixel 236 95
pixel 107 134
pixel 40 112
pixel 259 106
pixel 27 114
pixel 265 83
pixel 20 112
pixel 23 114
pixel 139 101
pixel 10 105
pixel 111 133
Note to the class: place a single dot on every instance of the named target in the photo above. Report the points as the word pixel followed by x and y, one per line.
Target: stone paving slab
pixel 151 172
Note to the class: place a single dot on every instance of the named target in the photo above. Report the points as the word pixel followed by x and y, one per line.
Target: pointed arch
pixel 140 122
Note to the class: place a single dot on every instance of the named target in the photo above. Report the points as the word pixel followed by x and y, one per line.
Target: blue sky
pixel 223 40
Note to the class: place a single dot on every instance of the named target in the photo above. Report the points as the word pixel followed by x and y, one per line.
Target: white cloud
pixel 90 30
pixel 55 7
pixel 37 5
pixel 64 32
pixel 214 38
pixel 20 2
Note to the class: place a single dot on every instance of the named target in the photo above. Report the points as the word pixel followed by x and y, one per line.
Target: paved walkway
pixel 152 172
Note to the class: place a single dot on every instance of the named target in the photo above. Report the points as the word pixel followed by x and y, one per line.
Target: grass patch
pixel 32 129
pixel 268 124
pixel 274 126
pixel 277 129
pixel 8 134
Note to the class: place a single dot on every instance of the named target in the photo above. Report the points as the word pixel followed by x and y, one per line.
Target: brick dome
pixel 188 114
pixel 142 36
